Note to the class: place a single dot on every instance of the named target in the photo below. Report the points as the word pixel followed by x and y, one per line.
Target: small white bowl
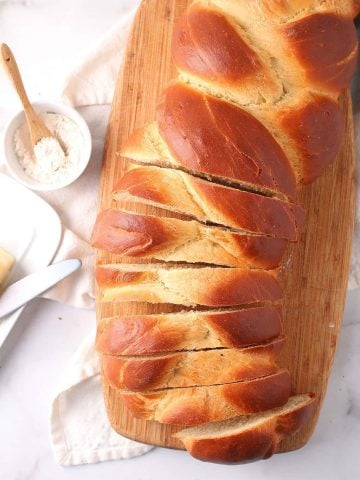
pixel 11 158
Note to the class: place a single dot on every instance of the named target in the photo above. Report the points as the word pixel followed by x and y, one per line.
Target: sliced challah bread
pixel 247 438
pixel 195 405
pixel 184 331
pixel 188 286
pixel 253 114
pixel 174 240
pixel 180 192
pixel 188 369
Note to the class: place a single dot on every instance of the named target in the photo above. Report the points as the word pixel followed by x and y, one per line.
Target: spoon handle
pixel 37 129
pixel 11 68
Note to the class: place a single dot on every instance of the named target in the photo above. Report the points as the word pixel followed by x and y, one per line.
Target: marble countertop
pixel 47 36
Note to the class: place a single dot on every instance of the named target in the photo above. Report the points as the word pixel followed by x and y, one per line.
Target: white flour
pixel 48 163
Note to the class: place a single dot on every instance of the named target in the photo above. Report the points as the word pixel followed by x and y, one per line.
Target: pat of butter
pixel 6 263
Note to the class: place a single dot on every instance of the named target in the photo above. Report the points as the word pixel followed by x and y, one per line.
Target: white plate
pixel 30 230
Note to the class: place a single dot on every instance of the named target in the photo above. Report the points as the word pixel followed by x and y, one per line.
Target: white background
pixel 47 36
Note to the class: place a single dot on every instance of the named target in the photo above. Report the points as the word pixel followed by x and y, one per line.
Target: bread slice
pixel 209 202
pixel 186 331
pixel 188 286
pixel 195 405
pixel 174 240
pixel 247 438
pixel 188 369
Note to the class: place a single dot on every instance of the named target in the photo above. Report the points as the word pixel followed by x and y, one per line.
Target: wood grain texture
pixel 316 274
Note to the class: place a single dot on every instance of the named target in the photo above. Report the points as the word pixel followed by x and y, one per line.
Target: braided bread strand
pixel 283 67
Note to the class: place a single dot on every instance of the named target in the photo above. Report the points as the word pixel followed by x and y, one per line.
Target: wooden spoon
pixel 37 128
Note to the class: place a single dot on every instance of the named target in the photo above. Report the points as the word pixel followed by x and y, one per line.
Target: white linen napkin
pixel 79 427
pixel 92 81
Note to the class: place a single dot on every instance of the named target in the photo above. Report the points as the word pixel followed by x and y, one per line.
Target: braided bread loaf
pixel 252 116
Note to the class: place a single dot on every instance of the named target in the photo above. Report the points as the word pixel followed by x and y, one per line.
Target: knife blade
pixel 33 285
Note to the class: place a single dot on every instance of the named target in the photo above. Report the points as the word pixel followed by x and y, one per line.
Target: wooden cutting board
pixel 315 286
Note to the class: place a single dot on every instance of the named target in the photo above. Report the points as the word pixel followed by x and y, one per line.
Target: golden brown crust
pixel 300 124
pixel 213 287
pixel 223 140
pixel 196 405
pixel 183 193
pixel 316 131
pixel 325 45
pixel 188 369
pixel 251 440
pixel 151 334
pixel 170 239
pixel 201 48
pixel 311 44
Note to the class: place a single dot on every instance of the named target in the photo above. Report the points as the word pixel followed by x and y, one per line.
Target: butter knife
pixel 31 286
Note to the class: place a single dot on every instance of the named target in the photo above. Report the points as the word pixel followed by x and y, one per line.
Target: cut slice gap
pixel 127 209
pixel 179 192
pixel 150 267
pixel 146 147
pixel 170 213
pixel 230 426
pixel 276 345
pixel 223 181
pixel 281 372
pixel 195 405
pixel 191 369
pixel 142 308
pixel 148 237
